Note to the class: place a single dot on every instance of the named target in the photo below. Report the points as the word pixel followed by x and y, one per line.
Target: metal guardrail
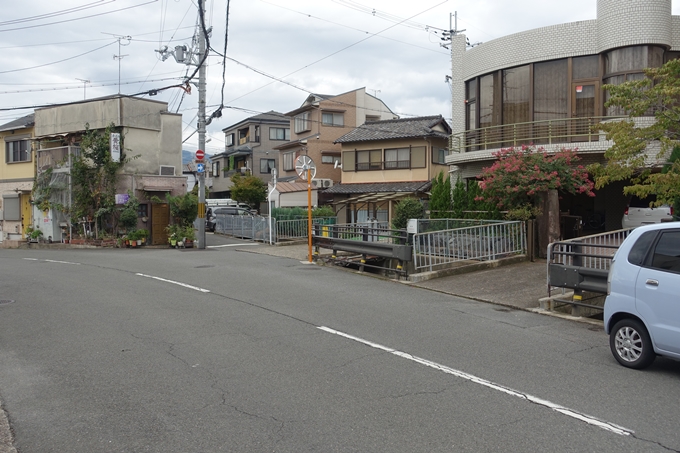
pixel 486 241
pixel 582 264
pixel 366 240
pixel 563 130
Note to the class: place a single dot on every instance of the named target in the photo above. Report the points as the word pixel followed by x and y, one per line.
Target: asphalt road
pixel 225 350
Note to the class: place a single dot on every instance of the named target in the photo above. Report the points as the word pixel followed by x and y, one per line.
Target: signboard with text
pixel 115 146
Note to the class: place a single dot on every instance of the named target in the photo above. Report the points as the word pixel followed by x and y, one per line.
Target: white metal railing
pixel 487 241
pixel 425 225
pixel 594 252
pixel 244 226
pixel 297 228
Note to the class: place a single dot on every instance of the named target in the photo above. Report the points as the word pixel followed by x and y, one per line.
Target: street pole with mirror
pixel 306 169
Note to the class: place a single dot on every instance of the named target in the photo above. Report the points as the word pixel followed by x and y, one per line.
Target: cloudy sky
pixel 278 51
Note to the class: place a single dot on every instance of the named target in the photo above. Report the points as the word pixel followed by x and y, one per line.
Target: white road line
pixel 556 407
pixel 175 283
pixel 52 261
pixel 62 262
pixel 228 245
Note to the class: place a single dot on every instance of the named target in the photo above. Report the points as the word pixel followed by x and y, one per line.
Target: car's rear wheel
pixel 631 345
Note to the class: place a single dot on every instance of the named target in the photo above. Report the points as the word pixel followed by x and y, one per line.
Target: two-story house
pixel 151 136
pixel 249 148
pixel 384 161
pixel 17 171
pixel 319 122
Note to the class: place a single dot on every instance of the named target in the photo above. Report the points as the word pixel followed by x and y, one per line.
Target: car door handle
pixel 652 282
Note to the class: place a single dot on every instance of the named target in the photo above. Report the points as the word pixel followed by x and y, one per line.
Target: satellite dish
pixel 302 164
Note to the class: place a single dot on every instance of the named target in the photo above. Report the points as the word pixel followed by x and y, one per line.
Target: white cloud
pixel 280 37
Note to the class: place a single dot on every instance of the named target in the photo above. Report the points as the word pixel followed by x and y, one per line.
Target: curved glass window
pixel 585 67
pixel 516 89
pixel 489 109
pixel 632 59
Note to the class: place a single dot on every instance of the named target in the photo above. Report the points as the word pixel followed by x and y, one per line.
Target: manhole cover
pixel 5 301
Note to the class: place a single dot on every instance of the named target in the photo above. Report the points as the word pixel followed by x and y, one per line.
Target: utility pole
pixel 85 82
pixel 201 133
pixel 185 55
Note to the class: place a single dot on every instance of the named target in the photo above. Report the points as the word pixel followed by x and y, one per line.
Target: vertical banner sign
pixel 115 146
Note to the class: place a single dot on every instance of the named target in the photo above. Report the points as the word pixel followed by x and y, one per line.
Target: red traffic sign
pixel 200 154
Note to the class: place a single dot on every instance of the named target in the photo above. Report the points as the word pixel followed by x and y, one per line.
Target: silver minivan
pixel 638 212
pixel 642 308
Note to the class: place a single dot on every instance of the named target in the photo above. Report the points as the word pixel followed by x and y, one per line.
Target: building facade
pixel 17 171
pixel 319 122
pixel 385 161
pixel 544 87
pixel 249 148
pixel 151 137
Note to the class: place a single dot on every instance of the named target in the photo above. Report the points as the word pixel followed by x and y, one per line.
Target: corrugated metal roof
pixel 395 129
pixel 286 187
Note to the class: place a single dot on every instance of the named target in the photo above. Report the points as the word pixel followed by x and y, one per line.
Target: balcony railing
pixel 55 157
pixel 567 130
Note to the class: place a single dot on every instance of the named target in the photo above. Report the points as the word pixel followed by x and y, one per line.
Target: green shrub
pixel 407 208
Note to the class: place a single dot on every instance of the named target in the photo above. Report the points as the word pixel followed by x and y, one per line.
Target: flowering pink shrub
pixel 520 174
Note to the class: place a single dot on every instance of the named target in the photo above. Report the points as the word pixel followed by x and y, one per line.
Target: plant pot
pixel 139 242
pixel 133 243
pixel 173 242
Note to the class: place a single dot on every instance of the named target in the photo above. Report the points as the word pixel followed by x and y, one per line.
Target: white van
pixel 638 212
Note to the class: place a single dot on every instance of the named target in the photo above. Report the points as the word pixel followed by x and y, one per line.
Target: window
pixel 279 133
pixel 143 210
pixel 667 252
pixel 229 139
pixel 17 151
pixel 302 122
pixel 267 165
pixel 330 159
pixel 257 134
pixel 372 118
pixel 489 103
pixel 585 67
pixel 516 89
pixel 397 158
pixel 439 155
pixel 216 169
pixel 332 119
pixel 288 161
pixel 369 160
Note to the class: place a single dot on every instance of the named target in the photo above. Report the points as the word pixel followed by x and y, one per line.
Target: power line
pixel 79 18
pixel 59 61
pixel 55 14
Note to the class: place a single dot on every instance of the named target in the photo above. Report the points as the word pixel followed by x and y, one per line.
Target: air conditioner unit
pixel 322 182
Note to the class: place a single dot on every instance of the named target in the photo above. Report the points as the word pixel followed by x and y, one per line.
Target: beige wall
pixel 430 171
pixel 19 170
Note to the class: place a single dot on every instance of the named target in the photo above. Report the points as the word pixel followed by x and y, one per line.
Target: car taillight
pixel 671 210
pixel 626 211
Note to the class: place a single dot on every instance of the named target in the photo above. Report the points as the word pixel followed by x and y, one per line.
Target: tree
pixel 440 197
pixel 628 158
pixel 248 189
pixel 94 175
pixel 528 178
pixel 183 208
pixel 407 208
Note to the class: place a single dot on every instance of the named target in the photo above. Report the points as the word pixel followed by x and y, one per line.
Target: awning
pixel 240 153
pixel 375 197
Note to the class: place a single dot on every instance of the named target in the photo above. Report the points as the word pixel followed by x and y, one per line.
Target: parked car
pixel 232 210
pixel 638 212
pixel 642 308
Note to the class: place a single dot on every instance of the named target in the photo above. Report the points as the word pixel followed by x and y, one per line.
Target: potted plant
pixel 143 235
pixel 36 235
pixel 189 236
pixel 132 237
pixel 174 233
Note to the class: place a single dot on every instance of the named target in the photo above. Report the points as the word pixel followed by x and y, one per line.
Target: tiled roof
pixel 377 187
pixel 394 129
pixel 24 121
